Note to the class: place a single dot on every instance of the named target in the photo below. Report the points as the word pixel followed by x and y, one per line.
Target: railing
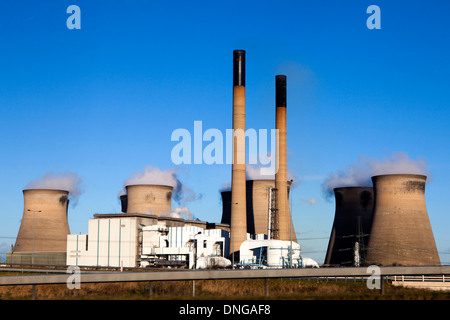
pixel 416 272
pixel 422 278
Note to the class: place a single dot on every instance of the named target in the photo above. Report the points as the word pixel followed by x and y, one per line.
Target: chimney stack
pixel 238 225
pixel 285 227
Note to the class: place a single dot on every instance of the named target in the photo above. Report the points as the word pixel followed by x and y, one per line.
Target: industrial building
pixel 183 246
pixel 137 240
pixel 145 235
pixel 262 253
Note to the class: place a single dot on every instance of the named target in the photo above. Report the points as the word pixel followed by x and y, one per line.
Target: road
pixel 97 277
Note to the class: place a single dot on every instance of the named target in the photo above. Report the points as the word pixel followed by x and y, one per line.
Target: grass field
pixel 245 289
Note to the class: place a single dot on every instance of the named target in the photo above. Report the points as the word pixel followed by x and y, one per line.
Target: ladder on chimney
pixel 273 228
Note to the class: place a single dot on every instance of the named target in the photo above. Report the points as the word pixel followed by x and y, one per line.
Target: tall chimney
pixel 238 225
pixel 285 227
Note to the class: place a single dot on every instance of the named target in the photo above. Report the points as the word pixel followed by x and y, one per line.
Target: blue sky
pixel 103 101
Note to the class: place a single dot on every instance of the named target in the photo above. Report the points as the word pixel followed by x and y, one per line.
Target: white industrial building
pixel 143 240
pixel 264 253
pixel 137 240
pixel 167 246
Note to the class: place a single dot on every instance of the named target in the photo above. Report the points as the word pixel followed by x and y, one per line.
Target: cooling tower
pixel 149 199
pixel 123 203
pixel 238 223
pixel 352 223
pixel 257 206
pixel 44 226
pixel 226 206
pixel 401 231
pixel 285 229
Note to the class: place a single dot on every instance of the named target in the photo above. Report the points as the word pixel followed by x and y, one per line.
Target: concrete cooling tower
pixel 352 224
pixel 148 199
pixel 226 206
pixel 123 203
pixel 44 226
pixel 258 204
pixel 401 231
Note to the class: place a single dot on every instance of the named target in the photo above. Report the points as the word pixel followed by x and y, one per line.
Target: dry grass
pixel 219 289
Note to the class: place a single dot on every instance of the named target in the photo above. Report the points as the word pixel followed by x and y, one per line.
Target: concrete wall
pixel 37 258
pixel 110 242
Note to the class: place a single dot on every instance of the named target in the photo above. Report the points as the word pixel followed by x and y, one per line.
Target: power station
pixel 384 225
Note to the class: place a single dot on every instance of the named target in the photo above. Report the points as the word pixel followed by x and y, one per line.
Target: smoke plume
pixel 180 213
pixel 359 174
pixel 155 176
pixel 312 201
pixel 68 181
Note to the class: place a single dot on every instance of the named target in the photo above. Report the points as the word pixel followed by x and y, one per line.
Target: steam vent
pixel 42 236
pixel 352 224
pixel 148 199
pixel 401 230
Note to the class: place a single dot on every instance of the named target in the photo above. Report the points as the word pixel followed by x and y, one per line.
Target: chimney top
pixel 238 68
pixel 280 84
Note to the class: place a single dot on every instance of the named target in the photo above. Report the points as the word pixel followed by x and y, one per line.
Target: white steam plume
pixel 312 201
pixel 180 213
pixel 359 174
pixel 68 181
